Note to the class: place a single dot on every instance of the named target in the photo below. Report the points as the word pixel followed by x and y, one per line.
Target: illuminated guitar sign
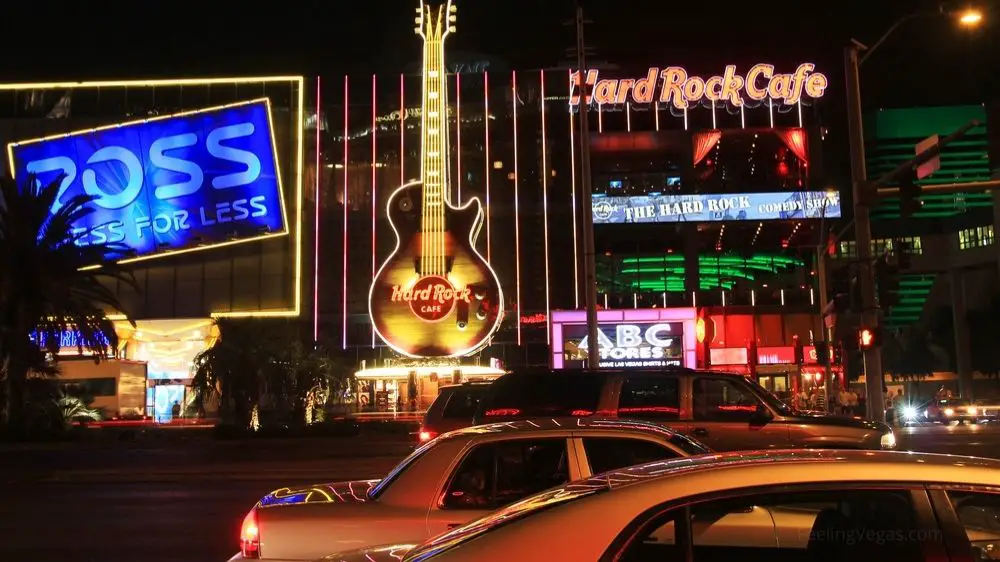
pixel 435 296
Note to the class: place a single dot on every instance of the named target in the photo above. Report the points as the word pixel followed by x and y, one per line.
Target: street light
pixel 859 175
pixel 970 18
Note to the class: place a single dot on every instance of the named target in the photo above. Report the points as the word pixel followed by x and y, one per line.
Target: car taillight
pixel 426 436
pixel 250 536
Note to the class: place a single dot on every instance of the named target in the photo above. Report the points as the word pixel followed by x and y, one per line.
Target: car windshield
pixel 688 445
pixel 402 466
pixel 768 398
pixel 514 512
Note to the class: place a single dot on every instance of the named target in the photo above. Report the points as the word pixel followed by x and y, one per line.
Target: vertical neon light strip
pixel 714 125
pixel 486 128
pixel 374 162
pixel 743 118
pixel 316 219
pixel 458 133
pixel 600 117
pixel 656 113
pixel 517 211
pixel 770 111
pixel 572 198
pixel 800 113
pixel 402 131
pixel 344 303
pixel 545 213
pixel 628 116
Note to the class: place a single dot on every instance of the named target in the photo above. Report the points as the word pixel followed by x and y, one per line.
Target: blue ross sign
pixel 716 207
pixel 167 183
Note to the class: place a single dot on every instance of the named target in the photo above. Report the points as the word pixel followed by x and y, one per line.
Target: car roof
pixel 609 372
pixel 562 425
pixel 849 465
pixel 471 384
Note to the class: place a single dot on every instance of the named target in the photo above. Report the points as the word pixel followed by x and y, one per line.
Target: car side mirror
pixel 761 415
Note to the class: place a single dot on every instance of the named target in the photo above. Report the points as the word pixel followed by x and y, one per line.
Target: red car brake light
pixel 250 536
pixel 426 435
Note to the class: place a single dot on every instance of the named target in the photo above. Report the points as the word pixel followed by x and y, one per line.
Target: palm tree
pixel 50 284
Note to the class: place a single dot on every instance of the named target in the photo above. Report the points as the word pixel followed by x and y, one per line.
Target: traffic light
pixel 867 338
pixel 909 196
pixel 844 289
pixel 887 278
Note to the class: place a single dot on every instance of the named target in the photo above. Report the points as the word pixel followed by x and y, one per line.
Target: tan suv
pixel 725 412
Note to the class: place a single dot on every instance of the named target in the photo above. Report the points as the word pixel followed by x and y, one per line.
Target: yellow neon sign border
pixel 300 154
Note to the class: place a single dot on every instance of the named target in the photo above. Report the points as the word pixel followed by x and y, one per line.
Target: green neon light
pixel 666 273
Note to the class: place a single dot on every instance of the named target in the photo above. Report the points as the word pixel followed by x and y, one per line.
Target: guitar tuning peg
pixel 453 18
pixel 453 8
pixel 452 29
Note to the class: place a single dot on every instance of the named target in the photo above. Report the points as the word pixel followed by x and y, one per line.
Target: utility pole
pixel 874 376
pixel 824 304
pixel 589 265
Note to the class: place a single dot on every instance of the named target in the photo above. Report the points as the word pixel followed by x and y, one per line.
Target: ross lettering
pixel 679 88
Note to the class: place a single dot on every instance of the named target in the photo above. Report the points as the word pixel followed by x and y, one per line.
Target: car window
pixel 462 404
pixel 650 397
pixel 496 474
pixel 980 515
pixel 835 525
pixel 568 394
pixel 609 453
pixel 720 399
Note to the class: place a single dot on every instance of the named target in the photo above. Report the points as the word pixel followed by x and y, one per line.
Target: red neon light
pixel 374 154
pixel 545 210
pixel 535 319
pixel 486 122
pixel 346 143
pixel 458 132
pixel 316 232
pixel 572 181
pixel 517 212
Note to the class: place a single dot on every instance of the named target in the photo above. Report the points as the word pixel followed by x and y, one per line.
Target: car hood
pixel 838 421
pixel 354 492
pixel 389 553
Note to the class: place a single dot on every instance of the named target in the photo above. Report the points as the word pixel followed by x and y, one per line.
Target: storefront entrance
pixel 775 383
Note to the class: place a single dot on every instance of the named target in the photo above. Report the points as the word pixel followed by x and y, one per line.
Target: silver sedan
pixel 784 505
pixel 448 482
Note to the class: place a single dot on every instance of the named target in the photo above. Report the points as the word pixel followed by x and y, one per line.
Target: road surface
pixel 185 503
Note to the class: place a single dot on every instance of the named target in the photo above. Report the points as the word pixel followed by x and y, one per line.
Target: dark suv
pixel 725 412
pixel 454 408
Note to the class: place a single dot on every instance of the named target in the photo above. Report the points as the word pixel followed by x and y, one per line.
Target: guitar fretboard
pixel 435 160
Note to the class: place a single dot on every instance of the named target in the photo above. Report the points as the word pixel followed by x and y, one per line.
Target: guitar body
pixel 449 312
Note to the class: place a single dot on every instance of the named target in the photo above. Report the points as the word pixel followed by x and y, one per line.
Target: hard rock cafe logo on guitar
pixel 432 298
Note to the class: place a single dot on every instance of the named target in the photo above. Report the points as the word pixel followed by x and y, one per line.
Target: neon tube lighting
pixel 572 181
pixel 714 126
pixel 346 145
pixel 600 118
pixel 374 181
pixel 770 111
pixel 489 164
pixel 800 113
pixel 458 134
pixel 316 218
pixel 656 113
pixel 628 117
pixel 517 211
pixel 545 213
pixel 402 130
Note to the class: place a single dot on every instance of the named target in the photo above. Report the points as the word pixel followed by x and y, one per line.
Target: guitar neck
pixel 435 162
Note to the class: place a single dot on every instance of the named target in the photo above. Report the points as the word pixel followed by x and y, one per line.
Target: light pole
pixel 874 376
pixel 589 257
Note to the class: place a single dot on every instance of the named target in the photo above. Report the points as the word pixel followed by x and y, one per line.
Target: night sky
pixel 929 60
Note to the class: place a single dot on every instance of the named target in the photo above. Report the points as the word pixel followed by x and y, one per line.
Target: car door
pixel 970 520
pixel 844 523
pixel 494 474
pixel 728 416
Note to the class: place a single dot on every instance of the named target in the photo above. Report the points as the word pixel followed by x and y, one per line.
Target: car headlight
pixel 949 412
pixel 909 413
pixel 972 411
pixel 888 441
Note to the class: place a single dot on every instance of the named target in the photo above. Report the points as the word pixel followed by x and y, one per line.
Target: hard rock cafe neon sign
pixel 673 85
pixel 431 298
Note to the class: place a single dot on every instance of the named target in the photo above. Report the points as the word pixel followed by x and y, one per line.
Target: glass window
pixel 610 453
pixel 91 387
pixel 839 525
pixel 462 404
pixel 720 399
pixel 497 474
pixel 544 394
pixel 650 397
pixel 980 514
